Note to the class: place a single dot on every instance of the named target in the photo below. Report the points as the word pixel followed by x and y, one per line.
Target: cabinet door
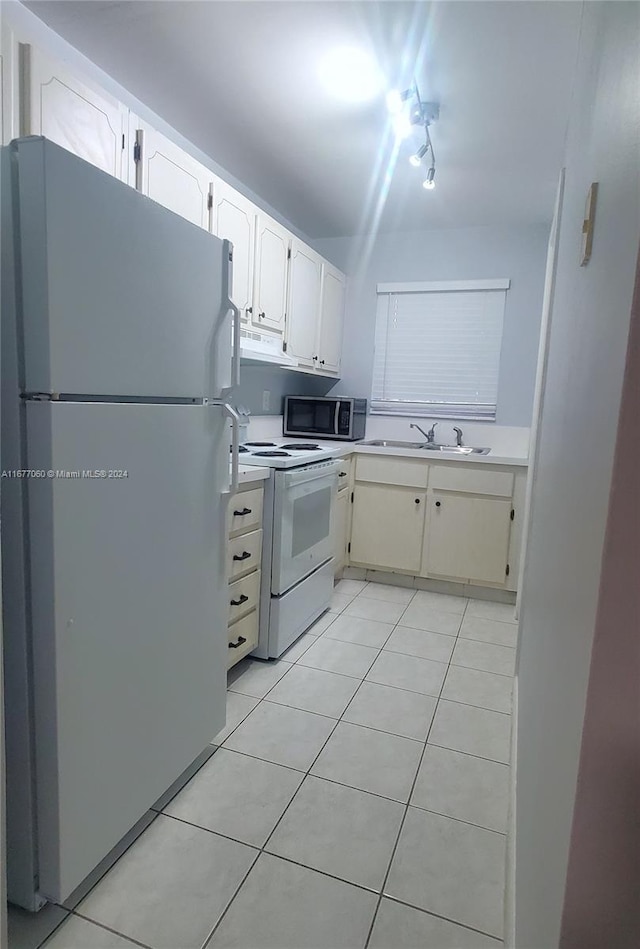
pixel 340 528
pixel 303 313
pixel 173 178
pixel 270 295
pixel 331 319
pixel 387 527
pixel 234 219
pixel 468 537
pixel 58 105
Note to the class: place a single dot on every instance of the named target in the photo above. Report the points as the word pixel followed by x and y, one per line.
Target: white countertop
pixel 249 473
pixel 348 448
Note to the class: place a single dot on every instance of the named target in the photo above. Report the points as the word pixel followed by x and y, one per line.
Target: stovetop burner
pixel 261 444
pixel 301 447
pixel 271 454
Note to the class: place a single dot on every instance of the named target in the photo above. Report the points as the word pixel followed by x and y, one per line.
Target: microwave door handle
pixel 336 418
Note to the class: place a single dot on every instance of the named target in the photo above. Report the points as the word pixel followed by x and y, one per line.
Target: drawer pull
pixel 245 510
pixel 241 640
pixel 243 556
pixel 243 599
pixel 343 474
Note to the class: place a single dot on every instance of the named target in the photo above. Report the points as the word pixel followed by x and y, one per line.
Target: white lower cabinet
pixel 244 552
pixel 342 515
pixel 447 522
pixel 467 537
pixel 387 527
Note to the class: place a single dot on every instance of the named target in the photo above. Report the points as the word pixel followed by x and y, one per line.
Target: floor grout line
pixel 404 816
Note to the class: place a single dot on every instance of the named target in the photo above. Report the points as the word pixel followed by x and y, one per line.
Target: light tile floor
pixel 358 797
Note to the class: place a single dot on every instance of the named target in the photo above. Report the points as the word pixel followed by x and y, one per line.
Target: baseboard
pixel 510 868
pixel 434 586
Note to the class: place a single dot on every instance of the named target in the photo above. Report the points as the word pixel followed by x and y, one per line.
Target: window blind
pixel 437 353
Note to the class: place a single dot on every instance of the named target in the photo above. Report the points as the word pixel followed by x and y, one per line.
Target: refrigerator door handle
pixel 235 442
pixel 227 306
pixel 235 372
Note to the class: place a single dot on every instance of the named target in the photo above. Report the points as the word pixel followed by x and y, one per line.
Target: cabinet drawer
pixel 472 481
pixel 243 595
pixel 245 551
pixel 344 467
pixel 245 511
pixel 401 471
pixel 243 638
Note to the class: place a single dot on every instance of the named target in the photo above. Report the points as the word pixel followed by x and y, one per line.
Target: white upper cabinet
pixel 234 219
pixel 170 176
pixel 303 314
pixel 331 320
pixel 271 275
pixel 57 104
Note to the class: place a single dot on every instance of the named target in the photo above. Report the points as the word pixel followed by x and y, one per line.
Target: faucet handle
pixel 458 432
pixel 432 432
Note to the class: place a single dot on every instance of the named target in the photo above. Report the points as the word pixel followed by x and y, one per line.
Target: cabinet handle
pixel 249 309
pixel 241 640
pixel 342 474
pixel 245 510
pixel 243 599
pixel 322 362
pixel 261 315
pixel 438 503
pixel 243 556
pixel 315 358
pixel 417 500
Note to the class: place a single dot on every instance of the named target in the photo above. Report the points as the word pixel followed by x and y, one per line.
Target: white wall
pixel 451 254
pixel 581 402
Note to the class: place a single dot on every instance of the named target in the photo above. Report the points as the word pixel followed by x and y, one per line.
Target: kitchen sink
pixel 456 449
pixel 426 446
pixel 388 443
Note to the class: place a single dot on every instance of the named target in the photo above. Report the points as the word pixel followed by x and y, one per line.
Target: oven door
pixel 302 522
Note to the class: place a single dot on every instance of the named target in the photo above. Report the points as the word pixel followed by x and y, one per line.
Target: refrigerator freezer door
pixel 120 296
pixel 128 614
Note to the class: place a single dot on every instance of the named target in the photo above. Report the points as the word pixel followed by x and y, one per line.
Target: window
pixel 437 348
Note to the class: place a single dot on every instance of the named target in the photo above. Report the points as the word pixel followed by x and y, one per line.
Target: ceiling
pixel 240 79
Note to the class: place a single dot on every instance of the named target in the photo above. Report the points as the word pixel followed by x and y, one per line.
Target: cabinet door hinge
pixel 349 547
pixel 209 201
pixel 513 514
pixel 508 570
pixel 137 153
pixel 289 254
pixel 352 497
pixel 284 347
pixel 123 141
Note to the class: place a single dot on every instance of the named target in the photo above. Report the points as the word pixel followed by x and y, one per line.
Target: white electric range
pixel 298 537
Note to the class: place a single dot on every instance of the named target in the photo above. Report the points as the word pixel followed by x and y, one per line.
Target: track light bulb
pixel 397 99
pixel 416 159
pixel 429 182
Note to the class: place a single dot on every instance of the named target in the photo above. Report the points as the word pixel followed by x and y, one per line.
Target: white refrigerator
pixel 117 338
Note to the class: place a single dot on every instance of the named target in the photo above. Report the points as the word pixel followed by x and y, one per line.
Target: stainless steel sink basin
pixel 426 446
pixel 457 449
pixel 388 443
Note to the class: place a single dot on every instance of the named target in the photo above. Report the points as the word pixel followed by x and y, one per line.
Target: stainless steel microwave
pixel 324 417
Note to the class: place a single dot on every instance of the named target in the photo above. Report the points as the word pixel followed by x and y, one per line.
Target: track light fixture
pixel 416 160
pixel 408 112
pixel 429 182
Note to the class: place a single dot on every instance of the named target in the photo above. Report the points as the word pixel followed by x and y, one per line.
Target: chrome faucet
pixel 430 435
pixel 458 432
